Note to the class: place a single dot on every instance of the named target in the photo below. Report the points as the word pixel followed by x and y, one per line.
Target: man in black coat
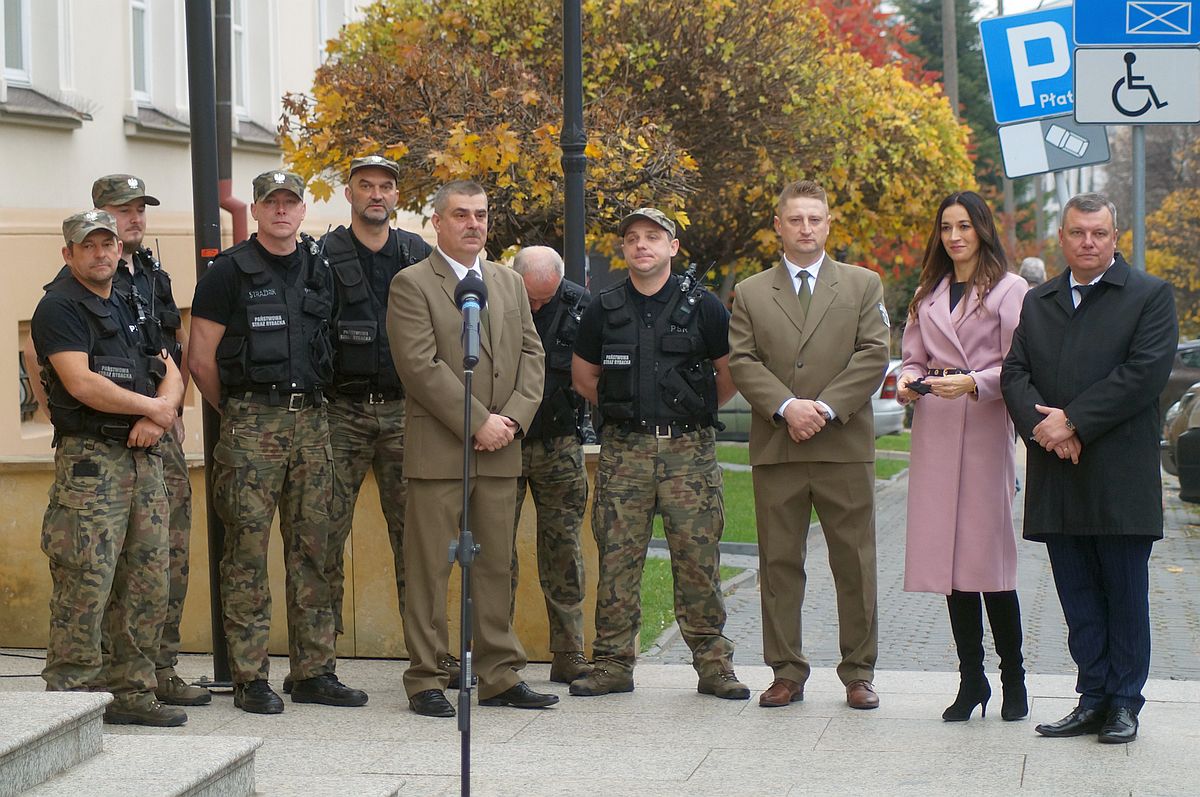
pixel 1091 354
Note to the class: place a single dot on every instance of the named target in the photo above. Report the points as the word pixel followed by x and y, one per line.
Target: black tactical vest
pixel 277 339
pixel 362 358
pixel 655 374
pixel 158 315
pixel 110 354
pixel 559 411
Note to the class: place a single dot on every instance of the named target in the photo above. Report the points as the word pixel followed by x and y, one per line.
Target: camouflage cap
pixel 652 215
pixel 268 183
pixel 377 161
pixel 117 189
pixel 77 227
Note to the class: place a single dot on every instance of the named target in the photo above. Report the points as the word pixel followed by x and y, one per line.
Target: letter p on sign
pixel 1026 74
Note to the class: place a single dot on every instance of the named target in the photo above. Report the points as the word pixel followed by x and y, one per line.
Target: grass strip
pixel 658 598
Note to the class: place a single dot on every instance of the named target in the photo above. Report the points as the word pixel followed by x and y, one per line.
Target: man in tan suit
pixel 809 346
pixel 425 332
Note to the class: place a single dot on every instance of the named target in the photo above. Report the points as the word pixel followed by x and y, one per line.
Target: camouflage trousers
pixel 179 499
pixel 105 533
pixel 365 436
pixel 268 458
pixel 553 470
pixel 639 475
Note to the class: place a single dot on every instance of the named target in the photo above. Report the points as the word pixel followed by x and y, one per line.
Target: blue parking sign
pixel 1029 64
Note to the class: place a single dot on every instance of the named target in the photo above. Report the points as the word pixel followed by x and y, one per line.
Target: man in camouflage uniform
pixel 260 354
pixel 366 409
pixel 111 397
pixel 141 276
pixel 653 354
pixel 552 460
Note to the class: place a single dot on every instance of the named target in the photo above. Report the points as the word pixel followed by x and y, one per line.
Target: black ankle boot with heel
pixel 1004 615
pixel 970 694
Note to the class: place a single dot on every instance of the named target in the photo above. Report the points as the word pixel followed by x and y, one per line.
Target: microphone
pixel 471 297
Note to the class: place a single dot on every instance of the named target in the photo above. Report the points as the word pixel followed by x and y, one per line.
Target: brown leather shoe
pixel 780 693
pixel 861 694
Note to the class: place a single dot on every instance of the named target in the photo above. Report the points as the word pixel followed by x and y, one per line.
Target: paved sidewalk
pixel 665 740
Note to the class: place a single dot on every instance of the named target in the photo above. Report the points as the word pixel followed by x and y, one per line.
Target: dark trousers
pixel 1103 585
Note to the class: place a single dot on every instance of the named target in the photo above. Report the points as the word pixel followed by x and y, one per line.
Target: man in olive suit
pixel 809 346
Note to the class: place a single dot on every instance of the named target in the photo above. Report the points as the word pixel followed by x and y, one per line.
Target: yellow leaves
pixel 530 97
pixel 681 218
pixel 320 189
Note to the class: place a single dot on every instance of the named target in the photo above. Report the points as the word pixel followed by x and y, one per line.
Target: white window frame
pixel 141 96
pixel 22 75
pixel 322 29
pixel 240 88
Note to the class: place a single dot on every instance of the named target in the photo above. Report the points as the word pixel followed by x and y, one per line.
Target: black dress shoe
pixel 1079 722
pixel 1121 727
pixel 520 696
pixel 431 703
pixel 328 691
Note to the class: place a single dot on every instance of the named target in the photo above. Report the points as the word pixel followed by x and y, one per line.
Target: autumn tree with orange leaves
pixel 705 108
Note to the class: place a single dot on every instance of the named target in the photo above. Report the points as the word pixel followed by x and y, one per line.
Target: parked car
pixel 1184 373
pixel 1180 445
pixel 889 414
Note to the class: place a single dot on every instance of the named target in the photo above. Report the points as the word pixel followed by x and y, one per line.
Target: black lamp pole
pixel 206 212
pixel 573 141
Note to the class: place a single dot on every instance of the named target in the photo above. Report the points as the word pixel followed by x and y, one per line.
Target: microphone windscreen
pixel 470 285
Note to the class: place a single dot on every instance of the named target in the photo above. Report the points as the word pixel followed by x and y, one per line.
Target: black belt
pixel 946 371
pixel 294 402
pixel 664 430
pixel 370 396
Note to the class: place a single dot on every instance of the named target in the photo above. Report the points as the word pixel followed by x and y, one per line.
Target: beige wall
pixel 371 616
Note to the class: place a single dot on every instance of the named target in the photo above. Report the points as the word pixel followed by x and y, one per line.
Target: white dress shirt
pixel 460 270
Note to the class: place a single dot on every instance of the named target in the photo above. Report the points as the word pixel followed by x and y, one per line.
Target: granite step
pixel 170 766
pixel 45 733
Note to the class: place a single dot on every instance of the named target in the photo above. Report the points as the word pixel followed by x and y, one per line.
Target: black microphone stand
pixel 464 551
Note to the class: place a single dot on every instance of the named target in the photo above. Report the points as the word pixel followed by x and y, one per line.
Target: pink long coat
pixel 961 477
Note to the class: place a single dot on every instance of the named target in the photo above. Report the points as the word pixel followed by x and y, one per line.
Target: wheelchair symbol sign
pixel 1147 85
pixel 1126 91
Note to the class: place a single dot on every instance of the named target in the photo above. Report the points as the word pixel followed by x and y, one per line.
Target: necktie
pixel 1083 293
pixel 804 294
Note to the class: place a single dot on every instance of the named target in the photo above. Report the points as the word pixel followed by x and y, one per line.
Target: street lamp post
pixel 573 141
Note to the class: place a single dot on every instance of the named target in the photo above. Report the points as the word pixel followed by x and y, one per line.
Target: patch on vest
pixel 356 335
pixel 117 373
pixel 268 321
pixel 617 359
pixel 261 293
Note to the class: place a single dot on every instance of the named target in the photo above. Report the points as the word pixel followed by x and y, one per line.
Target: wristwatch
pixel 1070 426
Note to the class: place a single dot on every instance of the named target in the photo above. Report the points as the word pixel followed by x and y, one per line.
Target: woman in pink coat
pixel 961 479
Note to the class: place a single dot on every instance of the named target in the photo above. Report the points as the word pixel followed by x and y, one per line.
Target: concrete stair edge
pixel 43 734
pixel 182 766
